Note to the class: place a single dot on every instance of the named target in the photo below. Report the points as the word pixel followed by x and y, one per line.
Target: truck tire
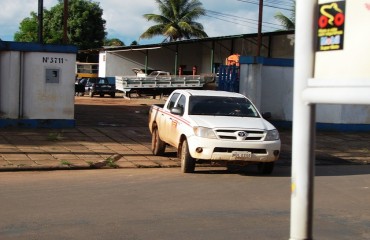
pixel 266 168
pixel 158 146
pixel 187 162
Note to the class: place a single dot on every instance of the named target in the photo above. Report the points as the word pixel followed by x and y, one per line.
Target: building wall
pixel 37 84
pixel 204 54
pixel 269 84
pixel 48 100
pixel 102 64
pixel 277 91
pixel 9 86
pixel 281 46
pixel 251 83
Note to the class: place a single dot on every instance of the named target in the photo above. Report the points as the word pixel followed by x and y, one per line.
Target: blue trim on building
pixel 343 127
pixel 36 47
pixel 333 127
pixel 283 62
pixel 38 123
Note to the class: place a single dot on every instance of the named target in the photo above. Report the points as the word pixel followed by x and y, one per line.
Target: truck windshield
pixel 221 106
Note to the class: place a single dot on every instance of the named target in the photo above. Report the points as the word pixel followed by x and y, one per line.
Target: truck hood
pixel 231 122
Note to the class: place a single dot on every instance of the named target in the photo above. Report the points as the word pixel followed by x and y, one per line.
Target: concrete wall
pixel 269 84
pixel 9 86
pixel 277 91
pixel 37 84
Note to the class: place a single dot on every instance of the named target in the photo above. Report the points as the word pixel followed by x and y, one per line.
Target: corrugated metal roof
pixel 208 39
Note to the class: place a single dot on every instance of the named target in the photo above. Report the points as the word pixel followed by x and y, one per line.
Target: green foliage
pixel 113 42
pixel 27 29
pixel 287 22
pixel 86 27
pixel 65 162
pixel 110 163
pixel 54 136
pixel 176 21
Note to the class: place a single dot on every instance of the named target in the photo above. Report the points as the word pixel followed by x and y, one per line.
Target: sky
pixel 125 21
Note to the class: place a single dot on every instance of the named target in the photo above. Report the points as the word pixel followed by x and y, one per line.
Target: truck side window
pixel 172 101
pixel 181 102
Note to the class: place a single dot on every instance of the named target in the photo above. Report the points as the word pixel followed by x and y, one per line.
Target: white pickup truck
pixel 206 125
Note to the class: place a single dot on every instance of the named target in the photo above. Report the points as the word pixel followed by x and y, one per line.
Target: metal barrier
pixel 228 78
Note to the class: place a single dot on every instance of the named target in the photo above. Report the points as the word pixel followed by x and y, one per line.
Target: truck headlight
pixel 272 135
pixel 204 132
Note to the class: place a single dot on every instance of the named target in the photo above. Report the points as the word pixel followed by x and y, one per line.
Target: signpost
pixel 332 66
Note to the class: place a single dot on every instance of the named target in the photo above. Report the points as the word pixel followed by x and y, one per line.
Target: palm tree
pixel 176 20
pixel 287 22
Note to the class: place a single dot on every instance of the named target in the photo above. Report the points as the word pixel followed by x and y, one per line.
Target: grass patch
pixel 65 163
pixel 55 136
pixel 91 164
pixel 111 163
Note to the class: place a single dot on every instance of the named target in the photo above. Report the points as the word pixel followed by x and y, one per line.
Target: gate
pixel 228 78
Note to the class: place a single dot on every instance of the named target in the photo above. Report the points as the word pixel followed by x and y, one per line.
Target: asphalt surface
pixel 113 133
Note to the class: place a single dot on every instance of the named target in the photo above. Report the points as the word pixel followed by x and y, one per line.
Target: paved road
pixel 165 204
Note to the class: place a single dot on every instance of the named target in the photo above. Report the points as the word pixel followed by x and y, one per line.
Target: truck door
pixel 174 123
pixel 166 119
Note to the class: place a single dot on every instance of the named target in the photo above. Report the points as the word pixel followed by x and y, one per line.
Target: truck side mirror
pixel 177 110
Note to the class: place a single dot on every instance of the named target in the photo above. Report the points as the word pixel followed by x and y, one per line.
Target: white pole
pixel 303 124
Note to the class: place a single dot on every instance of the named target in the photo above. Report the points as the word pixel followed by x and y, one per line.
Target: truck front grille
pixel 240 135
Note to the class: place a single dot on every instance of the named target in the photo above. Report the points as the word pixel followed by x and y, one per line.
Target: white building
pixel 37 85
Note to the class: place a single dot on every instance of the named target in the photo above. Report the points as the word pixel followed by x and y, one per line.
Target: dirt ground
pixel 117 111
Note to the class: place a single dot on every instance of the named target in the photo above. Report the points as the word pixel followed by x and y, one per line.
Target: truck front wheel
pixel 187 162
pixel 158 146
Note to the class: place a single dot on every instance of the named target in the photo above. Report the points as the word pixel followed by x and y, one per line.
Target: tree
pixel 27 29
pixel 287 22
pixel 176 20
pixel 86 27
pixel 113 42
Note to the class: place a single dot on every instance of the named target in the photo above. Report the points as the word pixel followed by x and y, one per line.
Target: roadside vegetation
pixel 86 27
pixel 288 22
pixel 176 20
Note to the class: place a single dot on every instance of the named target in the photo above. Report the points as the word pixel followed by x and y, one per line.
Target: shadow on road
pixel 285 171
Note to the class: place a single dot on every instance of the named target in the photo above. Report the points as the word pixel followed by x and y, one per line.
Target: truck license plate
pixel 238 155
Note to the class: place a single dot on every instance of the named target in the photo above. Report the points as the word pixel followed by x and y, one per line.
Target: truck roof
pixel 192 92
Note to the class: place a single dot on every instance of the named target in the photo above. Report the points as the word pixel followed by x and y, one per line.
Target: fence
pixel 228 78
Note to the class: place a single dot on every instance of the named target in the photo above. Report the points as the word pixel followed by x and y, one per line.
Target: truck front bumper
pixel 250 151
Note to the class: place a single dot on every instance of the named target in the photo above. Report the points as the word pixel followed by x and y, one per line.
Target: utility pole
pixel 65 21
pixel 303 145
pixel 259 42
pixel 40 19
